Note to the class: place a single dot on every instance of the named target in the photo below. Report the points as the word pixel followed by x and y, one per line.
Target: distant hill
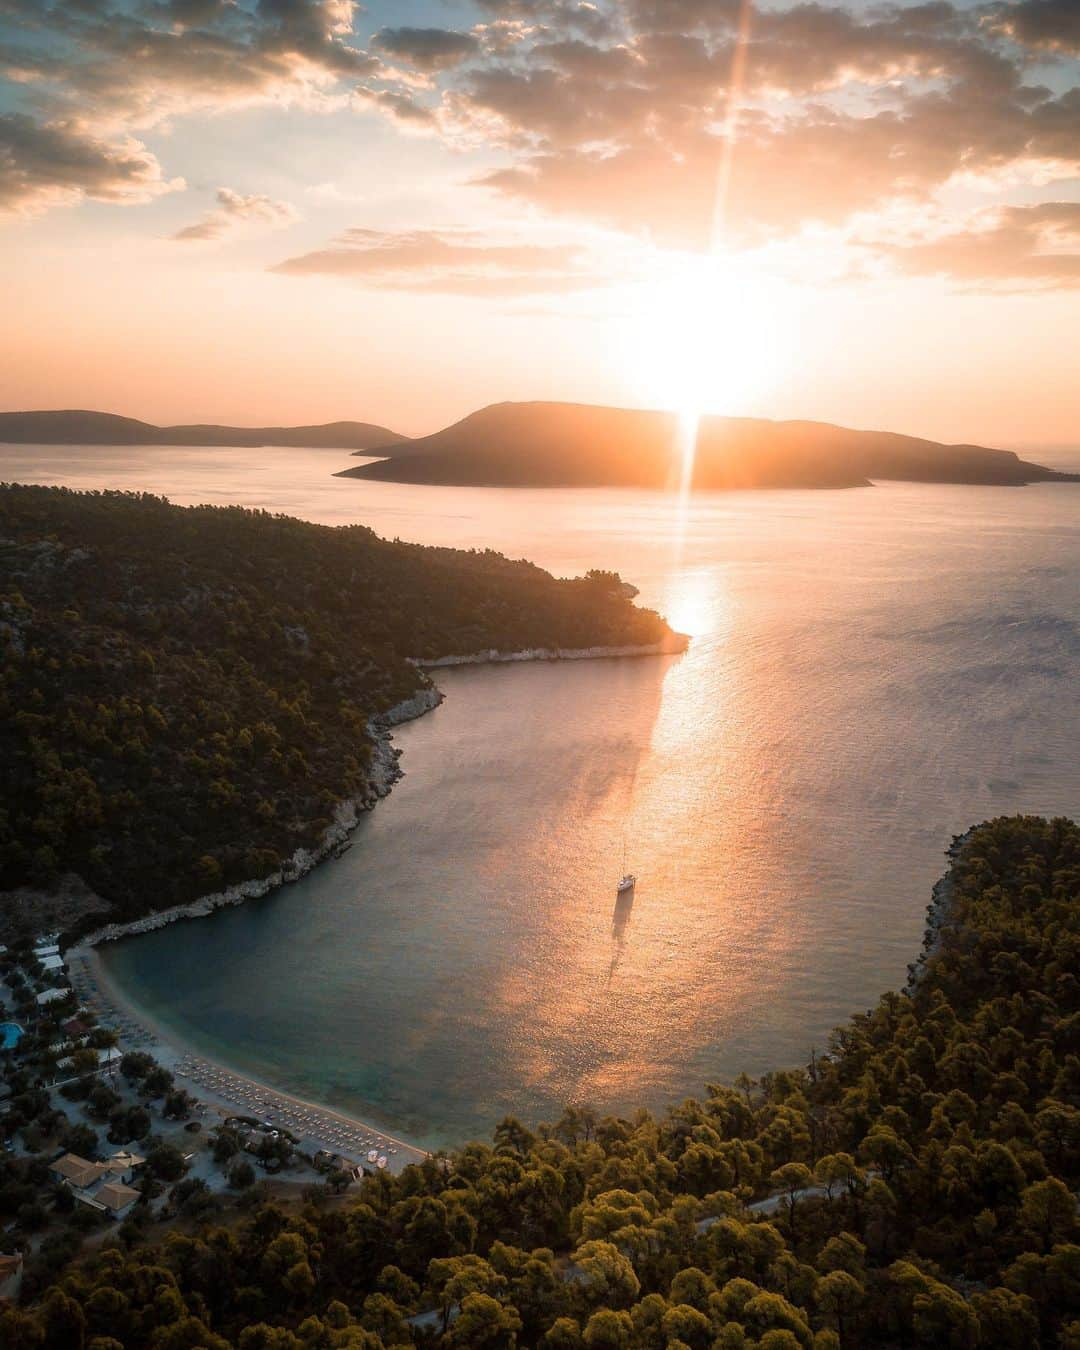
pixel 79 427
pixel 578 445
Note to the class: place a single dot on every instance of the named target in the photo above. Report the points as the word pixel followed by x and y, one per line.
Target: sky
pixel 286 211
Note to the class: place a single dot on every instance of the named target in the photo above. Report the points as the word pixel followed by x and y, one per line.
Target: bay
pixel 871 671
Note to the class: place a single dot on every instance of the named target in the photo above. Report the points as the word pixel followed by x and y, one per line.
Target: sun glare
pixel 704 335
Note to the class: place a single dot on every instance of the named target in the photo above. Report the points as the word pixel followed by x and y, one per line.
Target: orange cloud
pixel 237 210
pixel 1021 247
pixel 452 261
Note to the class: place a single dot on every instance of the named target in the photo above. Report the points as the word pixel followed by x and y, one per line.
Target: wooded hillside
pixel 185 692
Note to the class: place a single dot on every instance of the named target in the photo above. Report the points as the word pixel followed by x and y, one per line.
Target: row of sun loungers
pixel 328 1131
pixel 91 997
pixel 304 1121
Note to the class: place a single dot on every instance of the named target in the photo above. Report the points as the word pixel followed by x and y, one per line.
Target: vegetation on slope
pixel 921 1175
pixel 185 693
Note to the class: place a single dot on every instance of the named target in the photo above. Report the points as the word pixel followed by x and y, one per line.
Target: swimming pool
pixel 10 1034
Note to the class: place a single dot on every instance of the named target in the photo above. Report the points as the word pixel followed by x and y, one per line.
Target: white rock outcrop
pixel 676 642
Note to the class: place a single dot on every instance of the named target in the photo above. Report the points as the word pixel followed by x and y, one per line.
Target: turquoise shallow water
pixel 871 671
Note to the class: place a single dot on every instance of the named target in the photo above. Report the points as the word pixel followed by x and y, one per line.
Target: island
pixel 579 445
pixel 548 444
pixel 195 702
pixel 80 427
pixel 914 1185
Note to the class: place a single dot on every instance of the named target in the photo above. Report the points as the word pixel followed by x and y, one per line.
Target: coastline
pixel 229 1092
pixel 226 1090
pixel 938 912
pixel 385 773
pixel 669 646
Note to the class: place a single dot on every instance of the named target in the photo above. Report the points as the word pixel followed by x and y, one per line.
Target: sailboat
pixel 628 879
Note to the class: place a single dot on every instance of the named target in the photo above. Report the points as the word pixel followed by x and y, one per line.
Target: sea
pixel 870 672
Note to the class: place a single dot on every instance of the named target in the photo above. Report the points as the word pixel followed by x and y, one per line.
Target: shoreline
pixel 227 1091
pixel 385 773
pixel 669 646
pixel 938 912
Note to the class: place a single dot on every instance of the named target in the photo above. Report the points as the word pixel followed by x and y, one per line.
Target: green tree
pixel 609 1330
pixel 484 1323
pixel 166 1162
pixel 1048 1212
pixel 605 1275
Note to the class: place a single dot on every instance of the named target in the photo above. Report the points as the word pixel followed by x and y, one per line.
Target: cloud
pixel 398 105
pixel 820 167
pixel 188 13
pixel 1054 24
pixel 838 112
pixel 630 114
pixel 140 66
pixel 91 75
pixel 452 261
pixel 427 49
pixel 1029 246
pixel 235 211
pixel 599 20
pixel 57 164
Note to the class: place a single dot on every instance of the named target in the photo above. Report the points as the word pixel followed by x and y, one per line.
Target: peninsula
pixel 579 445
pixel 196 699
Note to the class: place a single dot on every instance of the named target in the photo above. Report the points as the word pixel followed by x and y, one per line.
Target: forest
pixel 914 1185
pixel 185 692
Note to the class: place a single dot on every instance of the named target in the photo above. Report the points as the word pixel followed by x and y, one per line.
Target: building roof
pixel 124 1159
pixel 9 1264
pixel 78 1171
pixel 51 995
pixel 74 1027
pixel 115 1195
pixel 52 962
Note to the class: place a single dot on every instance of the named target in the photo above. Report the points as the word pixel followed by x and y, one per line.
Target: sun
pixel 704 333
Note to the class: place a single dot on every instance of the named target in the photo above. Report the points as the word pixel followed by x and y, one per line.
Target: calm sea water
pixel 871 672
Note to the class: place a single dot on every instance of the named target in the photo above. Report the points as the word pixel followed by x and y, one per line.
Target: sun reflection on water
pixel 691 602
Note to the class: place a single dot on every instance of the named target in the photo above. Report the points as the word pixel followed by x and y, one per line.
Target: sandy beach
pixel 226 1092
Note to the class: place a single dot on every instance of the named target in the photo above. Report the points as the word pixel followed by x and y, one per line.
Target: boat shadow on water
pixel 620 922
